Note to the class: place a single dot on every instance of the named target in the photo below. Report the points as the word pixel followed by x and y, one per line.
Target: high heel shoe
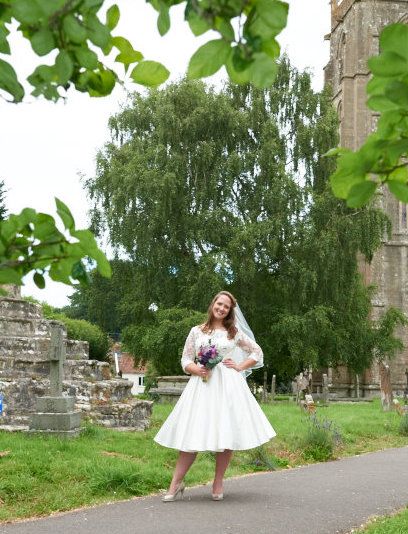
pixel 217 496
pixel 170 497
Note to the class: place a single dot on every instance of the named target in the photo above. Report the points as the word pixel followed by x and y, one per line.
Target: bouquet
pixel 208 356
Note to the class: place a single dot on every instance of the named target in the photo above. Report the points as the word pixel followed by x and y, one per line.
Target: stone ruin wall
pixel 24 373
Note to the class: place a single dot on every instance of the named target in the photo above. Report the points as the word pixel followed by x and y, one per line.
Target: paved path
pixel 324 498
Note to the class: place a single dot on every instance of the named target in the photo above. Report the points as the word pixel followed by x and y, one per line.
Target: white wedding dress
pixel 221 413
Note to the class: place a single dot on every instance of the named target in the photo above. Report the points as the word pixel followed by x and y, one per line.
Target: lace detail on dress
pixel 248 345
pixel 189 350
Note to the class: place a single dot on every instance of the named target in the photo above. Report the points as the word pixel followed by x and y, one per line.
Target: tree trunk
pixel 385 386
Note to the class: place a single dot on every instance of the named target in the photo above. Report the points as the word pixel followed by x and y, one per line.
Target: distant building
pixel 129 371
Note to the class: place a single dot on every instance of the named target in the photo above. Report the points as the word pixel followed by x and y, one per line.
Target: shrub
pixel 161 342
pixel 403 427
pixel 321 439
pixel 85 331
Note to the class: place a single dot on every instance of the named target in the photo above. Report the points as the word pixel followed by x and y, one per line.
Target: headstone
pixel 325 389
pixel 273 388
pixel 385 386
pixel 56 414
pixel 265 387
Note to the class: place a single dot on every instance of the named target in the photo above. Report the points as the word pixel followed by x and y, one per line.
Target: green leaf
pixel 98 33
pixel 399 190
pixel 274 13
pixel 26 11
pixel 272 48
pixel 9 81
pixel 397 92
pixel 394 38
pixel 43 42
pixel 79 273
pixel 112 17
pixel 9 276
pixel 129 58
pixel 122 44
pixel 399 175
pixel 208 59
pixel 377 85
pixel 74 29
pixel 39 280
pixel 149 73
pixel 64 67
pixel 225 28
pixel 263 70
pixel 240 77
pixel 361 193
pixel 351 169
pixel 65 214
pixel 388 65
pixel 197 24
pixel 336 151
pixel 103 83
pixel 4 45
pixel 381 103
pixel 86 57
pixel 163 20
pixel 60 271
pixel 103 264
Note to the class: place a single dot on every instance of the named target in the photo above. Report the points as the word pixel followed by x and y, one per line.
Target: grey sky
pixel 44 146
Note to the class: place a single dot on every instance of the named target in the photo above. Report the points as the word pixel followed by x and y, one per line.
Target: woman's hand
pixel 231 364
pixel 197 370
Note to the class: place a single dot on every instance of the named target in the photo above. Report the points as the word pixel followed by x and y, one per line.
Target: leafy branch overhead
pixel 31 242
pixel 383 158
pixel 246 43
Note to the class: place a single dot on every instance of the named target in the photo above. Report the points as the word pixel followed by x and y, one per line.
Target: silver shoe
pixel 170 497
pixel 217 496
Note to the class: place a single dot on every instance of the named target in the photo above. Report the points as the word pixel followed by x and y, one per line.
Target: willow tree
pixel 204 190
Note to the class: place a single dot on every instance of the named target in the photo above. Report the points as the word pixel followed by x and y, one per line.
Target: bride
pixel 216 411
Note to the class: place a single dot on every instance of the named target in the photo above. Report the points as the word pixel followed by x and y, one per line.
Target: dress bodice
pixel 226 347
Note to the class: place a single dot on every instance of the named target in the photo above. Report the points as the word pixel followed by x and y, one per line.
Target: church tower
pixel 355 29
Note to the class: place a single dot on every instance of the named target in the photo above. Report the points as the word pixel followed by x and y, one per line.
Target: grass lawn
pixel 40 475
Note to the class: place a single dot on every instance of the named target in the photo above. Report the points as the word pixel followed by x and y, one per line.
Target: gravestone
pixel 325 389
pixel 56 413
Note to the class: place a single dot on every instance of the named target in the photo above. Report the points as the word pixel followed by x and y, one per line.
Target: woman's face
pixel 221 307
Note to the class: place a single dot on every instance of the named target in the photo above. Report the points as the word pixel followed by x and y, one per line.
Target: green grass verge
pixel 40 475
pixel 397 524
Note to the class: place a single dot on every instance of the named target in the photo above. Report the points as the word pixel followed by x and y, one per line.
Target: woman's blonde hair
pixel 228 321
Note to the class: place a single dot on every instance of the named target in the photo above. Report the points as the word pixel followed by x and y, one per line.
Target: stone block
pixel 55 421
pixel 55 404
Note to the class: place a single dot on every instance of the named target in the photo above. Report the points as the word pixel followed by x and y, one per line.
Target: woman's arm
pixel 253 350
pixel 188 357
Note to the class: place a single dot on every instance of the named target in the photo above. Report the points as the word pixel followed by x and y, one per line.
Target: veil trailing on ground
pixel 239 354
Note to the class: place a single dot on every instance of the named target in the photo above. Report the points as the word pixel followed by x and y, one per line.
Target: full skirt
pixel 216 415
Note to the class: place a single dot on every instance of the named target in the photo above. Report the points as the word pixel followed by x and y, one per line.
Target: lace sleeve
pixel 188 355
pixel 252 348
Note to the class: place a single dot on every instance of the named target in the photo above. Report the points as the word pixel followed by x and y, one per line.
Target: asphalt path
pixel 326 498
